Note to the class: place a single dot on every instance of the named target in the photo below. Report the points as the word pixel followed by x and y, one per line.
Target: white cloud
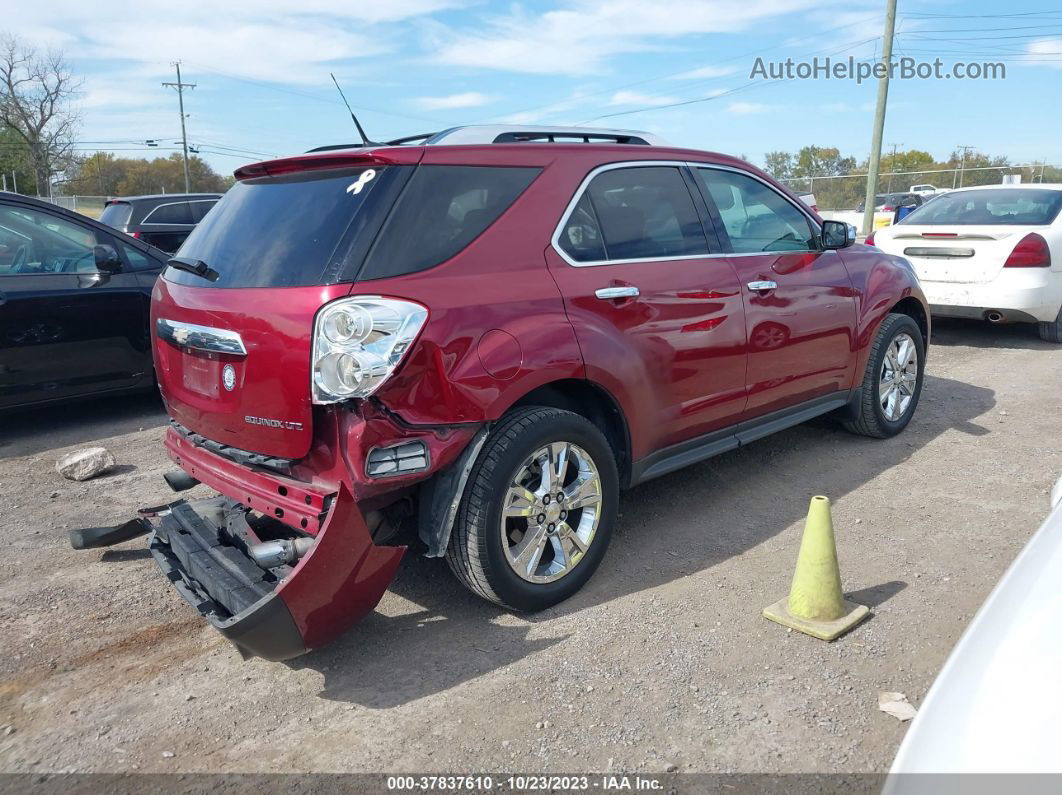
pixel 274 40
pixel 470 99
pixel 580 36
pixel 634 98
pixel 1046 52
pixel 705 73
pixel 835 107
pixel 746 108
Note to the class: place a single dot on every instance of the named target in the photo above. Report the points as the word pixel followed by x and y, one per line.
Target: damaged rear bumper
pixel 275 614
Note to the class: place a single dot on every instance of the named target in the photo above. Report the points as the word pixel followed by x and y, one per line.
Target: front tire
pixel 893 379
pixel 1051 330
pixel 538 511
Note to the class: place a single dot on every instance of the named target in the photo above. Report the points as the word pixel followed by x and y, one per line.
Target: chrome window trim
pixel 555 240
pixel 691 164
pixel 200 338
pixel 158 207
pixel 799 206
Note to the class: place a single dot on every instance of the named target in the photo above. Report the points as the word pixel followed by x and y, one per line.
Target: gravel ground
pixel 661 662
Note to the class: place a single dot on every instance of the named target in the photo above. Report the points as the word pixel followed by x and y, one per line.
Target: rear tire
pixel 1051 330
pixel 889 395
pixel 492 540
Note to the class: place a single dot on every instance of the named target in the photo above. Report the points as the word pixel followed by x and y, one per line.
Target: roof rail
pixel 507 134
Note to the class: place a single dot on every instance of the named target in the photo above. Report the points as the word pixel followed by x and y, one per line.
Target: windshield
pixel 283 231
pixel 992 207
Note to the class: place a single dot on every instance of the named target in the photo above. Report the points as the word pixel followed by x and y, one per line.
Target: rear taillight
pixel 134 234
pixel 1032 251
pixel 358 342
pixel 888 208
pixel 870 239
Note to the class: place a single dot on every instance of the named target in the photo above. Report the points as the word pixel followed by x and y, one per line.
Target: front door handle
pixel 763 285
pixel 612 293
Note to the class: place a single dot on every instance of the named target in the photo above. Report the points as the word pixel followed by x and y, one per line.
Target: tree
pixel 104 174
pixel 15 162
pixel 822 161
pixel 778 164
pixel 35 94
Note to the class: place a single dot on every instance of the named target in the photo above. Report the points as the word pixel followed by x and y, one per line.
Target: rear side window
pixel 994 207
pixel 442 210
pixel 643 212
pixel 756 217
pixel 116 214
pixel 201 208
pixel 172 213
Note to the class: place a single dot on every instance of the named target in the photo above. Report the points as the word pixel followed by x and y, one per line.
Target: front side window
pixel 646 212
pixel 33 242
pixel 756 217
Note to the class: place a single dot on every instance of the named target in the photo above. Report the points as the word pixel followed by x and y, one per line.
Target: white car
pixel 992 252
pixel 995 706
pixel 923 189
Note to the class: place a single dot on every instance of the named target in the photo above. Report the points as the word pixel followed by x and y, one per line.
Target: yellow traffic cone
pixel 815 604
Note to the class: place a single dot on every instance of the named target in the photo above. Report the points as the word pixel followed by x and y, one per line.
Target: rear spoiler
pixel 326 160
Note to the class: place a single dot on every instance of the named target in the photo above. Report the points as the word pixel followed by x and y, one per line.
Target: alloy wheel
pixel 899 377
pixel 551 512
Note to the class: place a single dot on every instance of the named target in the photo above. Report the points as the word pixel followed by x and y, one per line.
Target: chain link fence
pixel 847 192
pixel 91 206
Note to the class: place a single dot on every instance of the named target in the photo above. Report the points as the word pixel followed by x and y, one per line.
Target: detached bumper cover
pixel 339 581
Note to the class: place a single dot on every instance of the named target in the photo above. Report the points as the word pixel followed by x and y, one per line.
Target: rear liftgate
pixel 274 597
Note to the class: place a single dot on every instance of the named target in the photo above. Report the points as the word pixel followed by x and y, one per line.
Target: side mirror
pixel 836 234
pixel 107 259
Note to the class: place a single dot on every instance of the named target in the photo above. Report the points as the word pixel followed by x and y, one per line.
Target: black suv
pixel 164 220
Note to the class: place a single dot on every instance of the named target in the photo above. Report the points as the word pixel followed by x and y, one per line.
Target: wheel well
pixel 594 403
pixel 913 308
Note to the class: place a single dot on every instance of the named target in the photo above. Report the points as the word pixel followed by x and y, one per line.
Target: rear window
pixel 442 210
pixel 284 231
pixel 1002 207
pixel 116 214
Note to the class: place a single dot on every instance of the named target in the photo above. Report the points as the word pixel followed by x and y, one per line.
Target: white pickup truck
pixel 924 189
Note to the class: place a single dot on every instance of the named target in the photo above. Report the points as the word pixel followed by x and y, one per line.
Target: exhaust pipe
pixel 270 554
pixel 995 316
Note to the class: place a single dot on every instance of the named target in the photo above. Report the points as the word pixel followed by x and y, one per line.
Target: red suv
pixel 470 344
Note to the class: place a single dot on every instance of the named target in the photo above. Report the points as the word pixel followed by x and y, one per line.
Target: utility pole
pixel 892 165
pixel 962 165
pixel 879 118
pixel 184 135
pixel 99 170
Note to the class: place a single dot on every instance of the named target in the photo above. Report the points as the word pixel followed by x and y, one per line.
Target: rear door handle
pixel 612 293
pixel 764 285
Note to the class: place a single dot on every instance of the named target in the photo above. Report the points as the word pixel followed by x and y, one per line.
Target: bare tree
pixel 35 93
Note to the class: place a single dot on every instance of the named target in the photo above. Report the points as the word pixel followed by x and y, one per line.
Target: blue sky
pixel 411 66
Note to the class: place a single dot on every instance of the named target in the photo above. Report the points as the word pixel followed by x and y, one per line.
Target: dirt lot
pixel 663 660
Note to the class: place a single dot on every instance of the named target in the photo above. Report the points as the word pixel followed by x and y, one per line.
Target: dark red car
pixel 471 344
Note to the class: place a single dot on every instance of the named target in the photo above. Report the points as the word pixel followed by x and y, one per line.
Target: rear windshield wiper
pixel 196 266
